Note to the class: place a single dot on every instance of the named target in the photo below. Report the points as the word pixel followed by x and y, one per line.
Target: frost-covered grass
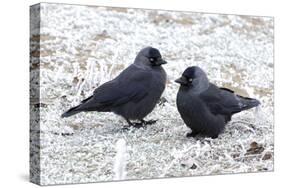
pixel 83 47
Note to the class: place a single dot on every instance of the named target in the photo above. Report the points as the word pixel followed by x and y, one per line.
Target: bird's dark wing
pixel 225 102
pixel 221 100
pixel 239 103
pixel 131 85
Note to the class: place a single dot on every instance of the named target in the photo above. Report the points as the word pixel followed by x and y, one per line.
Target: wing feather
pixel 131 85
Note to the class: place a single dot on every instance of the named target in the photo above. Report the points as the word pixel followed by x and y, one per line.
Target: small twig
pixel 120 160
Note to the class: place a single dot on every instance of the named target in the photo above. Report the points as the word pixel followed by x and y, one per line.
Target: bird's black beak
pixel 181 80
pixel 161 62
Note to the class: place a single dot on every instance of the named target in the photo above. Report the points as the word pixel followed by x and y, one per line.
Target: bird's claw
pixel 135 125
pixel 138 125
pixel 149 122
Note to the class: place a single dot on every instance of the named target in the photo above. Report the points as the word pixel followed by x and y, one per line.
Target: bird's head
pixel 150 57
pixel 194 78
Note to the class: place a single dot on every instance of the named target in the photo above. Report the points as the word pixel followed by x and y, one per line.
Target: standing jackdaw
pixel 204 107
pixel 133 93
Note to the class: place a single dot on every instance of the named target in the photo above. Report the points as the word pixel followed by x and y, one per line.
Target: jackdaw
pixel 204 107
pixel 133 93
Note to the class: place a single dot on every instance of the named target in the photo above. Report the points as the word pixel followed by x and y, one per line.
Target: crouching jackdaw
pixel 204 107
pixel 133 93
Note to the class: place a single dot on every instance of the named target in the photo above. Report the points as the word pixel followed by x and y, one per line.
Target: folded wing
pixel 125 88
pixel 225 102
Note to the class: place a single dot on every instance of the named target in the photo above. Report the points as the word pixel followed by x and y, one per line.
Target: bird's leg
pixel 140 124
pixel 129 122
pixel 149 122
pixel 136 124
pixel 126 127
pixel 192 134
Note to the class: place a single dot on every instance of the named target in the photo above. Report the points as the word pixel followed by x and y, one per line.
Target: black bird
pixel 133 93
pixel 206 108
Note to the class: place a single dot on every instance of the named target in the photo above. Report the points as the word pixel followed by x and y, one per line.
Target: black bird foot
pixel 192 134
pixel 149 122
pixel 214 137
pixel 138 125
pixel 135 124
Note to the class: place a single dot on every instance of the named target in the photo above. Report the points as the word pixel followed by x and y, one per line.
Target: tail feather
pixel 247 103
pixel 71 111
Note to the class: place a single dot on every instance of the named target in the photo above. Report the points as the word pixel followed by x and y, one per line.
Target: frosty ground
pixel 82 47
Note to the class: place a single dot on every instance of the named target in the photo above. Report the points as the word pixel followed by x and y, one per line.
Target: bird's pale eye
pixel 190 80
pixel 151 59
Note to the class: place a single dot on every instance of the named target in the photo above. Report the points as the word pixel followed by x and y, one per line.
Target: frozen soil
pixel 82 47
